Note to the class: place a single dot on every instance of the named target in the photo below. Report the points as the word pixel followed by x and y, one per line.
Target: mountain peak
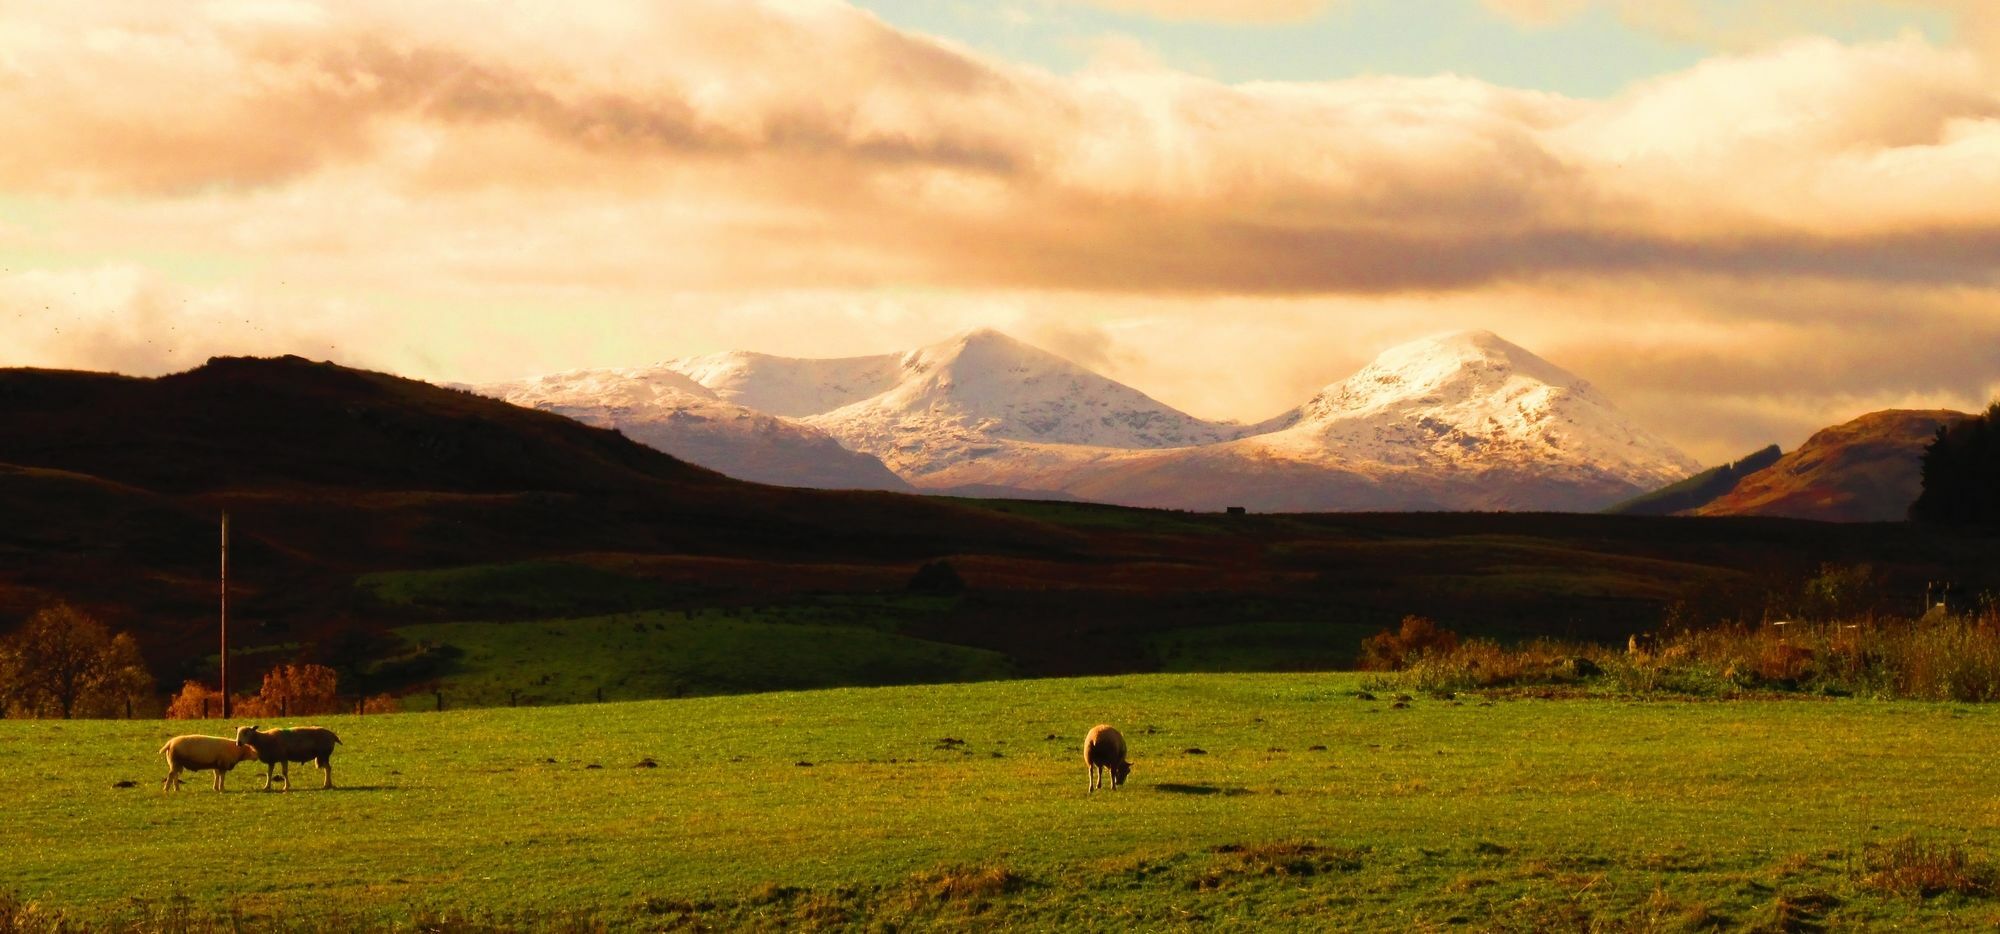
pixel 955 399
pixel 1472 398
pixel 1486 357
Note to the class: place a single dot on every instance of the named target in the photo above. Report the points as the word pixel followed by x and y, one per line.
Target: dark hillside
pixel 1699 490
pixel 361 503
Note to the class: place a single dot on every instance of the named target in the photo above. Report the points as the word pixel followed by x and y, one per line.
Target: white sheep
pixel 197 753
pixel 1104 749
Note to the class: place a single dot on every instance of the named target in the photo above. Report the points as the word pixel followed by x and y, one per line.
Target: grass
pixel 1259 646
pixel 674 653
pixel 527 588
pixel 948 806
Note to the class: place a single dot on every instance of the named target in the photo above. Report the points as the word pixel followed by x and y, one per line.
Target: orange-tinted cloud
pixel 459 173
pixel 1219 11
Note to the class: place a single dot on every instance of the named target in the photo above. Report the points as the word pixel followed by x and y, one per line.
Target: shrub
pixel 195 701
pixel 1417 637
pixel 1941 657
pixel 937 577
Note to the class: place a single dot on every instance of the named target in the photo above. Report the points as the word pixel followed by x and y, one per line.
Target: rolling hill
pixel 1699 490
pixel 1865 470
pixel 364 505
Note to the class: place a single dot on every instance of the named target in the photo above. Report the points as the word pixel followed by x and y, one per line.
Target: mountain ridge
pixel 1463 420
pixel 1867 469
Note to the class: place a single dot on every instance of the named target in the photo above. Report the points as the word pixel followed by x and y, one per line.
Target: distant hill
pixel 362 504
pixel 664 410
pixel 1699 490
pixel 1866 470
pixel 113 485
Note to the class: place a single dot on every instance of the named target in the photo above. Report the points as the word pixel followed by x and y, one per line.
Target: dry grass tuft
pixel 1916 868
pixel 969 883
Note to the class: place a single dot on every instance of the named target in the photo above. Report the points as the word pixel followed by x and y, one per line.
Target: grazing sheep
pixel 278 749
pixel 202 754
pixel 1104 749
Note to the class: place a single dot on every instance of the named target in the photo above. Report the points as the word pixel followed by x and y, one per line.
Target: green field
pixel 937 806
pixel 671 653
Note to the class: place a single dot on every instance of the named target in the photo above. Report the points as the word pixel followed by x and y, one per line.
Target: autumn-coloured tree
pixel 299 690
pixel 1393 651
pixel 59 658
pixel 195 701
pixel 126 687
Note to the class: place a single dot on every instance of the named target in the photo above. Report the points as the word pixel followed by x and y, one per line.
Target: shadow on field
pixel 1176 789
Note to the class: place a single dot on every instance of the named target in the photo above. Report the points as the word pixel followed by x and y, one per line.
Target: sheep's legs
pixel 1093 778
pixel 286 767
pixel 173 782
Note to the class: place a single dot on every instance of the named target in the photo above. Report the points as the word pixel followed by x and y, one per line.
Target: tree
pixel 1417 637
pixel 1961 470
pixel 299 690
pixel 60 657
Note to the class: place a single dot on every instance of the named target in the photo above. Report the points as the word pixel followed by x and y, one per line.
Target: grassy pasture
pixel 939 806
pixel 669 653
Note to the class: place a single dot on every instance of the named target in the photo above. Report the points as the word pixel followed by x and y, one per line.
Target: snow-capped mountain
pixel 663 409
pixel 1459 421
pixel 982 395
pixel 788 386
pixel 1471 400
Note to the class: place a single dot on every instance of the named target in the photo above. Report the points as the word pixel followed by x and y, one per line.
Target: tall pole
pixel 225 615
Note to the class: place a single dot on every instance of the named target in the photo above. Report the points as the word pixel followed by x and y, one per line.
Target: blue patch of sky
pixel 1593 54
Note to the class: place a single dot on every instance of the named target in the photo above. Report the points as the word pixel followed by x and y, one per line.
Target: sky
pixel 1743 220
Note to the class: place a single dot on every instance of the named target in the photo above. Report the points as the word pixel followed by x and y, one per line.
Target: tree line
pixel 1961 470
pixel 65 663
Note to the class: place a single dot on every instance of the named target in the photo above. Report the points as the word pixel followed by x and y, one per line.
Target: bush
pixel 1941 657
pixel 937 577
pixel 1416 638
pixel 195 701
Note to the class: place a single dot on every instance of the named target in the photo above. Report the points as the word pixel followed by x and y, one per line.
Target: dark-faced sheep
pixel 202 754
pixel 278 749
pixel 1104 751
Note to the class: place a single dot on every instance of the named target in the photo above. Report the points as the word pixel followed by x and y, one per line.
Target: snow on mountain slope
pixel 1471 400
pixel 666 410
pixel 791 387
pixel 1459 421
pixel 982 395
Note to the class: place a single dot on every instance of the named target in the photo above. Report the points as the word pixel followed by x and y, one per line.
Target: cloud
pixel 128 319
pixel 1538 12
pixel 1812 159
pixel 1219 11
pixel 464 190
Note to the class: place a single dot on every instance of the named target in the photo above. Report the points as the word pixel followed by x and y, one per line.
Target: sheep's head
pixel 246 752
pixel 244 734
pixel 1118 772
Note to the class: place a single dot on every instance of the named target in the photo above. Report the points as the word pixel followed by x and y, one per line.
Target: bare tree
pixel 60 656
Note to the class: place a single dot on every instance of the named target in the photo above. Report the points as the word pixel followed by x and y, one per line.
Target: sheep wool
pixel 196 753
pixel 1104 751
